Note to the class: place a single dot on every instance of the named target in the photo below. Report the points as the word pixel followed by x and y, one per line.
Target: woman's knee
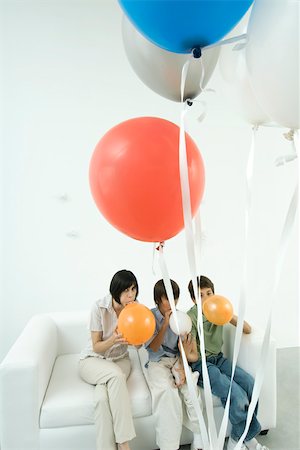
pixel 117 376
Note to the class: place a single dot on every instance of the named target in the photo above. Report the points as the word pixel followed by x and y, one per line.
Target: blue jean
pixel 219 372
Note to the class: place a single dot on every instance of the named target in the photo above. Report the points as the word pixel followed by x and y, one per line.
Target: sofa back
pixel 72 331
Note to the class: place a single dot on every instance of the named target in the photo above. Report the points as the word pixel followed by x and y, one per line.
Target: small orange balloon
pixel 217 310
pixel 136 323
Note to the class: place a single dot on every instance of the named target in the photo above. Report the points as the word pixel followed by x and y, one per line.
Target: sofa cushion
pixel 70 401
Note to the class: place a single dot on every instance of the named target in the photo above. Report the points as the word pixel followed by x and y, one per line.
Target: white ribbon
pixel 187 215
pixel 288 157
pixel 240 37
pixel 190 382
pixel 243 296
pixel 284 239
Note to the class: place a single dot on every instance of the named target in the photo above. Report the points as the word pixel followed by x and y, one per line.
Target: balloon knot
pixel 189 102
pixel 197 52
pixel 160 246
pixel 289 135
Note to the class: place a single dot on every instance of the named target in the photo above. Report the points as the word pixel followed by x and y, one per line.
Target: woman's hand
pixel 117 338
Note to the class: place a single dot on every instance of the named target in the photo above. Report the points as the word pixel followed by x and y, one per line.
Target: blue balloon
pixel 183 25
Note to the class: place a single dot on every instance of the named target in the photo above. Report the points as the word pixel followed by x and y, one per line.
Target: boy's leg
pixel 241 377
pixel 166 404
pixel 246 382
pixel 190 418
pixel 239 401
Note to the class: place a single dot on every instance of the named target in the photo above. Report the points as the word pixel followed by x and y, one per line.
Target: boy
pixel 219 372
pixel 172 405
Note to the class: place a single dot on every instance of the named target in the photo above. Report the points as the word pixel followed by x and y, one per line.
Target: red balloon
pixel 135 181
pixel 137 323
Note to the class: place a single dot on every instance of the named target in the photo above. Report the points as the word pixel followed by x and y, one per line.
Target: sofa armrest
pixel 248 359
pixel 24 377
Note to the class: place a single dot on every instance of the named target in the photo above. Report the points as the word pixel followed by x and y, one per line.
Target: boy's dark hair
pixel 203 283
pixel 122 280
pixel 159 291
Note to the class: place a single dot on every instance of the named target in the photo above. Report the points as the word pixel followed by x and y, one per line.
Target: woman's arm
pixel 100 346
pixel 246 326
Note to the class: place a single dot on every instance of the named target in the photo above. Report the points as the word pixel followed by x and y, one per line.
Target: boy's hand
pixel 187 342
pixel 178 374
pixel 167 318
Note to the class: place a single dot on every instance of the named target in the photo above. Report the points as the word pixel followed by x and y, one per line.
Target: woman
pixel 105 363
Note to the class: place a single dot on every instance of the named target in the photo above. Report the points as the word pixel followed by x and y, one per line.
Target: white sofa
pixel 44 405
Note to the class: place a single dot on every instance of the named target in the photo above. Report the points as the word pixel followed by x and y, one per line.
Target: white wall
pixel 65 82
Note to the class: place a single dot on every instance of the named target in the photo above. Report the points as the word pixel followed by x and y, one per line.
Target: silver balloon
pixel 161 70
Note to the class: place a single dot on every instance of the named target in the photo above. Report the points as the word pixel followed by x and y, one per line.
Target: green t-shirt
pixel 213 334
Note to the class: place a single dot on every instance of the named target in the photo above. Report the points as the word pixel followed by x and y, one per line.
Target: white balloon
pixel 272 55
pixel 184 323
pixel 237 87
pixel 161 70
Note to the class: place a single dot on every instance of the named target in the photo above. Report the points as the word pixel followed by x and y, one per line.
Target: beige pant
pixel 113 417
pixel 171 406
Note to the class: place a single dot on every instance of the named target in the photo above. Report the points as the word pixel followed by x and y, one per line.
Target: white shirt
pixel 104 318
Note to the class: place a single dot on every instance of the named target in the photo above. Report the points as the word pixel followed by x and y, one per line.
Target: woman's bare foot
pixel 124 446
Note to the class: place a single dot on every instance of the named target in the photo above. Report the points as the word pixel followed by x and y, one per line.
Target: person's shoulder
pixel 192 311
pixel 104 302
pixel 154 311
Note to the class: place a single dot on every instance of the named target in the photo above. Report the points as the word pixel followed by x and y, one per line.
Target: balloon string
pixel 153 258
pixel 187 215
pixel 284 239
pixel 202 75
pixel 199 238
pixel 243 295
pixel 285 236
pixel 284 159
pixel 196 399
pixel 184 73
pixel 228 41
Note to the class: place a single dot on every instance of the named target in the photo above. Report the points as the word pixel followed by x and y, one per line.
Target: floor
pixel 286 435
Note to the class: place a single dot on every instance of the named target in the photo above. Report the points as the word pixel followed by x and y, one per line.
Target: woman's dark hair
pixel 159 291
pixel 122 280
pixel 203 283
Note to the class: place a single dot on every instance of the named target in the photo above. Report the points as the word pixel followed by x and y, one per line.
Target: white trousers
pixel 113 418
pixel 171 406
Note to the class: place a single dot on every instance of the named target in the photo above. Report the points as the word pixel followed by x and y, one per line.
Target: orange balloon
pixel 135 180
pixel 217 310
pixel 137 323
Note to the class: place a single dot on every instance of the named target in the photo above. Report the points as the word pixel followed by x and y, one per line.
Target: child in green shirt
pixel 219 372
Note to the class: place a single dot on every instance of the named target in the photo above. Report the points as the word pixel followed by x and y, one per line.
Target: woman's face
pixel 128 296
